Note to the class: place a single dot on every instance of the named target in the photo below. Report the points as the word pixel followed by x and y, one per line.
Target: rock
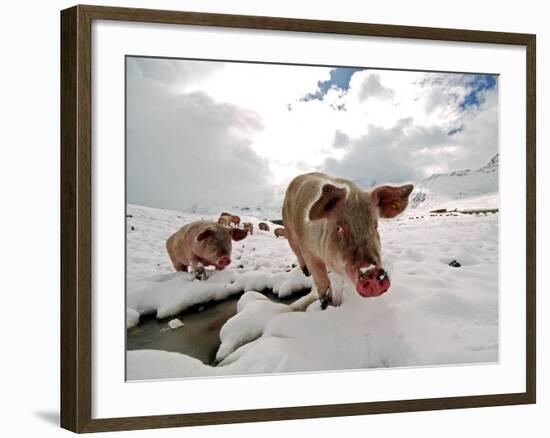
pixel 455 264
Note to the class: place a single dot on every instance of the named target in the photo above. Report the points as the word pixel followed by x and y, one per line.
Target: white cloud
pixel 172 72
pixel 406 135
pixel 372 88
pixel 250 122
pixel 186 150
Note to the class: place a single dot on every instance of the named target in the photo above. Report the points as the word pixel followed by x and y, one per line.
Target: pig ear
pixel 330 200
pixel 205 234
pixel 238 234
pixel 391 201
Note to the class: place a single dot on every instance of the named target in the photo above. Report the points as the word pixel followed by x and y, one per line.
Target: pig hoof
pixel 325 301
pixel 306 272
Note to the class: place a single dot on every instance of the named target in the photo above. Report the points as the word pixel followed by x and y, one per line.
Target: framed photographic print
pixel 270 218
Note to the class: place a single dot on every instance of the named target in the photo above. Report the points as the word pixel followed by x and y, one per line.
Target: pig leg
pixel 178 266
pixel 295 246
pixel 321 280
pixel 200 272
pixel 198 268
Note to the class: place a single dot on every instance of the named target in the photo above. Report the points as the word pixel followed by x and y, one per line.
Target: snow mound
pixel 253 311
pixel 175 324
pixel 171 296
pixel 132 318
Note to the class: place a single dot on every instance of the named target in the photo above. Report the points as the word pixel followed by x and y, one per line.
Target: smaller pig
pixel 200 244
pixel 279 232
pixel 263 226
pixel 235 220
pixel 248 226
pixel 225 220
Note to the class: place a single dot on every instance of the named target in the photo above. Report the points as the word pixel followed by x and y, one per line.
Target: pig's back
pixel 185 236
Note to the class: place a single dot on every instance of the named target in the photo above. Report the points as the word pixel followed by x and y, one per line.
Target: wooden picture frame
pixel 76 217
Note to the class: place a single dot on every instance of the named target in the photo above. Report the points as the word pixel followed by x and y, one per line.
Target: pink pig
pixel 332 223
pixel 225 220
pixel 201 244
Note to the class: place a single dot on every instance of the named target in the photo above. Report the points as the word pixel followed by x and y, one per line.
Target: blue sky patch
pixel 478 83
pixel 339 78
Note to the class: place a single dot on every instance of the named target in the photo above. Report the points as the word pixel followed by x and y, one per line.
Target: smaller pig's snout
pixel 372 281
pixel 224 261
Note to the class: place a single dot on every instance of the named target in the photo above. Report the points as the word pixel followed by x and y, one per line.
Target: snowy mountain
pixel 459 189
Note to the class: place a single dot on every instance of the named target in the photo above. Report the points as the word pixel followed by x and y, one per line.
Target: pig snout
pixel 372 281
pixel 223 261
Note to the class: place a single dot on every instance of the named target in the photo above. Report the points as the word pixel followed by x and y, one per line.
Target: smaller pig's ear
pixel 391 201
pixel 330 200
pixel 238 234
pixel 205 234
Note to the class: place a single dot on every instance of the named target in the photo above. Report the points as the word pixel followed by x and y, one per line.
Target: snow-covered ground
pixel 433 314
pixel 261 261
pixel 461 189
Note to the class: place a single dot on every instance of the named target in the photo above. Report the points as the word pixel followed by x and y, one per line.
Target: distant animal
pixel 279 232
pixel 225 220
pixel 248 226
pixel 200 244
pixel 235 220
pixel 333 223
pixel 263 226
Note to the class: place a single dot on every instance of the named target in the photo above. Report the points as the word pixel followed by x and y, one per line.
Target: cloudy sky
pixel 203 133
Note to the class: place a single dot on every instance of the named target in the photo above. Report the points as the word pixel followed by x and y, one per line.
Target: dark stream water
pixel 199 337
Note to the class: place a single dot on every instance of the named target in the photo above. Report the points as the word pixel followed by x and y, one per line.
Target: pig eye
pixel 339 229
pixel 376 225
